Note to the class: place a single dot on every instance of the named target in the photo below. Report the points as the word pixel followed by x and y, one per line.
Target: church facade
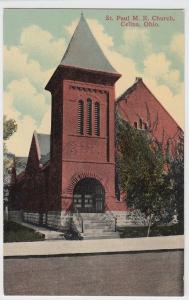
pixel 73 168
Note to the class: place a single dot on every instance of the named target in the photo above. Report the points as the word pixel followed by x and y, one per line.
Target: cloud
pixel 20 142
pixel 158 66
pixel 45 126
pixel 177 45
pixel 42 46
pixel 135 39
pixel 26 100
pixel 172 102
pixel 18 65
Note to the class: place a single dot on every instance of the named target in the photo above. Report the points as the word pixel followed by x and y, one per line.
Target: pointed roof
pixel 43 146
pixel 84 52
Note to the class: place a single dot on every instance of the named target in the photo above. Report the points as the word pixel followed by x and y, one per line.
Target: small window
pixel 80 117
pixel 89 116
pixel 145 126
pixel 135 125
pixel 97 118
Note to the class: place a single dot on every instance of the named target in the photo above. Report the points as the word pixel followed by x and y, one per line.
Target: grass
pixel 14 232
pixel 141 231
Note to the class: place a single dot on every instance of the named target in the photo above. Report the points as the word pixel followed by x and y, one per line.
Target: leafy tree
pixel 176 177
pixel 141 165
pixel 9 127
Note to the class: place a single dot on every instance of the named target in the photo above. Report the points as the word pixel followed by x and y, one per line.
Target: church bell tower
pixel 82 166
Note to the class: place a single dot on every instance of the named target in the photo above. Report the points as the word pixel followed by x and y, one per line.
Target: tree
pixel 176 177
pixel 141 164
pixel 9 127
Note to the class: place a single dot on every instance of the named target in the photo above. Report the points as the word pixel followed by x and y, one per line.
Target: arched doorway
pixel 89 196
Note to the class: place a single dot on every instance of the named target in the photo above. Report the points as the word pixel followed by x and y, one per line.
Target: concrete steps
pixel 98 226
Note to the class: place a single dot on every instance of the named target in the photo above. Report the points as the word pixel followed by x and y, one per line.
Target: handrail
pixel 111 216
pixel 79 217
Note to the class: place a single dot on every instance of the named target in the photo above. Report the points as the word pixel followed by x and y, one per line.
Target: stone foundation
pixel 58 219
pixel 53 219
pixel 129 218
pixel 15 215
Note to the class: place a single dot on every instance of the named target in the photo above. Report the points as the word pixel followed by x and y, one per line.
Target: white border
pixel 118 4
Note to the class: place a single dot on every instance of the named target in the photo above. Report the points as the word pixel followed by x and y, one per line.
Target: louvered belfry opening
pixel 97 118
pixel 89 116
pixel 80 116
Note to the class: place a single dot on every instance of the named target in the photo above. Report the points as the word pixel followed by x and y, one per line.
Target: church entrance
pixel 89 196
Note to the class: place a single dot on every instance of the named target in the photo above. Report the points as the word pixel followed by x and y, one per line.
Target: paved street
pixel 129 274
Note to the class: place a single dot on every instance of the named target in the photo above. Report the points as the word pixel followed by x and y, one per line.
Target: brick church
pixel 73 168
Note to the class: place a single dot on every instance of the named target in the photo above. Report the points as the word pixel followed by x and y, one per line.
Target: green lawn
pixel 141 231
pixel 14 232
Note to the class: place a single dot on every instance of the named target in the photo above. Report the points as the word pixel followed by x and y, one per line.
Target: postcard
pixel 93 142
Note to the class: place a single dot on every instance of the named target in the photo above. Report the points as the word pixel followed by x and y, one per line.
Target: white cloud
pixel 135 39
pixel 156 65
pixel 17 64
pixel 41 45
pixel 26 99
pixel 177 45
pixel 45 125
pixel 20 142
pixel 172 102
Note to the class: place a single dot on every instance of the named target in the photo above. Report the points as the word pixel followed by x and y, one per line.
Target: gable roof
pixel 84 52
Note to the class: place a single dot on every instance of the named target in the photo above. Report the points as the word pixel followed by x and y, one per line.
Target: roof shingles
pixel 84 52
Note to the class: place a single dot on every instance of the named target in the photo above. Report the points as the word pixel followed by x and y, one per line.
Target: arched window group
pixel 140 125
pixel 93 117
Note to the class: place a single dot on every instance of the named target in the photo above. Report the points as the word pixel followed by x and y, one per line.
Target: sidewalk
pixel 66 247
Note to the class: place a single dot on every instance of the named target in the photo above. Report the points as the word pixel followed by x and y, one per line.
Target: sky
pixel 35 41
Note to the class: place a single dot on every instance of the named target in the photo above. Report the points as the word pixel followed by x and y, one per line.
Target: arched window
pixel 97 118
pixel 89 116
pixel 80 116
pixel 135 125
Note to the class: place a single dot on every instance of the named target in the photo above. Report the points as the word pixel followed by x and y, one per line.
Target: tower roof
pixel 84 52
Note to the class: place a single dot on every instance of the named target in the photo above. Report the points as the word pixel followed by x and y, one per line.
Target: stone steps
pixel 98 226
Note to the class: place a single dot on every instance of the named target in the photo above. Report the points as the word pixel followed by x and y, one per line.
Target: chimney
pixel 138 79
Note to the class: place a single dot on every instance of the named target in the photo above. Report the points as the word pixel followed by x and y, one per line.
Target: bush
pixel 141 231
